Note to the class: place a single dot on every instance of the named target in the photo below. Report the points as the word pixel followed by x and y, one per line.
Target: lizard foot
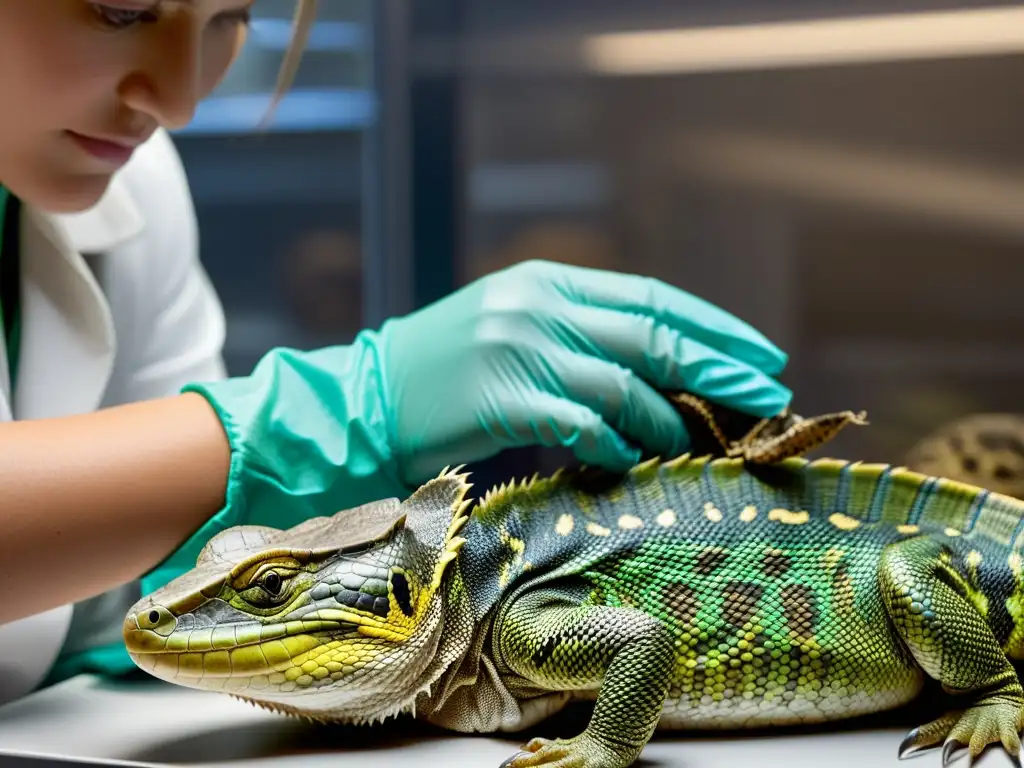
pixel 577 752
pixel 997 720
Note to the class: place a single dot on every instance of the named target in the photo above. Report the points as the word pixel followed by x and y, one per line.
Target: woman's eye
pixel 119 18
pixel 242 17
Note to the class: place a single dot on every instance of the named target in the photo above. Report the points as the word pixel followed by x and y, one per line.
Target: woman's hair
pixel 305 13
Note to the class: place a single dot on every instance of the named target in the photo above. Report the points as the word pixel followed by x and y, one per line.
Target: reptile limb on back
pixel 741 585
pixel 718 431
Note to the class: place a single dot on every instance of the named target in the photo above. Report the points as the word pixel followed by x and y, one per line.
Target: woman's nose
pixel 169 85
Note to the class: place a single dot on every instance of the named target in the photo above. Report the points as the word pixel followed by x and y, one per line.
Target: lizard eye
pixel 269 588
pixel 271 582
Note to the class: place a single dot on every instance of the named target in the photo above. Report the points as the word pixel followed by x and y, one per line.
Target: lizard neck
pixel 457 659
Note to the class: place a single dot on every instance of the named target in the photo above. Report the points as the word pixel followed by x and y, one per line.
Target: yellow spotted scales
pixel 741 585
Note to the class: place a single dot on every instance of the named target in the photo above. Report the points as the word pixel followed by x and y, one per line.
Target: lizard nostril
pixel 159 620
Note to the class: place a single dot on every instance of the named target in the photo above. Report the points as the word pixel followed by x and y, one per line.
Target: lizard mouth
pixel 238 661
pixel 157 630
pixel 228 650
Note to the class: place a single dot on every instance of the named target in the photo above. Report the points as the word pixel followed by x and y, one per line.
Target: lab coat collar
pixel 67 333
pixel 111 222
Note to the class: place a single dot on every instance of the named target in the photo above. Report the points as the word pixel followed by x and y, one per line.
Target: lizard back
pixel 767 575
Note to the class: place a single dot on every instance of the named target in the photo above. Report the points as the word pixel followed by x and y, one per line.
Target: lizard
pixel 983 449
pixel 739 585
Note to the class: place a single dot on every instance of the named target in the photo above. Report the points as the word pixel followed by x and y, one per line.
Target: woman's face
pixel 82 83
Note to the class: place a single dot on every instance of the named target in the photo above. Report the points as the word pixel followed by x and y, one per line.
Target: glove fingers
pixel 627 403
pixel 591 439
pixel 546 419
pixel 688 315
pixel 670 360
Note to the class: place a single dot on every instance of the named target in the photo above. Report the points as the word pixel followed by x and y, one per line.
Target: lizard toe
pixel 910 746
pixel 577 752
pixel 990 722
pixel 930 735
pixel 548 754
pixel 512 762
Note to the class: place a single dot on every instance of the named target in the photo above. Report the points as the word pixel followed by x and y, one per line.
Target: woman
pixel 124 446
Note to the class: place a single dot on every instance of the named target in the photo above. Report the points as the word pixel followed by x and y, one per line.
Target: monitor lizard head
pixel 339 615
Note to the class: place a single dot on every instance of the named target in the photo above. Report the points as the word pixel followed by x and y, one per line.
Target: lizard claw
pixel 926 737
pixel 909 745
pixel 511 761
pixel 948 749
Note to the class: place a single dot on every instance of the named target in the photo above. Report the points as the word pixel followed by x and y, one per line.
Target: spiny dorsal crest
pixel 719 435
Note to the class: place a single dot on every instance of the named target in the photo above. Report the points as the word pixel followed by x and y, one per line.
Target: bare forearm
pixel 93 501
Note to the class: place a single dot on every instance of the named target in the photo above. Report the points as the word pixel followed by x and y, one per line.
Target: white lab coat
pixel 116 308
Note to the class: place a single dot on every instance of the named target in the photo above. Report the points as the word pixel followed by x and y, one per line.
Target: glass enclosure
pixel 851 185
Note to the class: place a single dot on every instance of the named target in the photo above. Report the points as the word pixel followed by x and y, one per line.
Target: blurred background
pixel 847 176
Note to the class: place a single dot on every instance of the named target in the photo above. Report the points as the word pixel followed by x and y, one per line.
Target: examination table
pixel 90 721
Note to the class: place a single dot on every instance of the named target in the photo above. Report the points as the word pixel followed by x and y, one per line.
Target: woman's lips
pixel 112 152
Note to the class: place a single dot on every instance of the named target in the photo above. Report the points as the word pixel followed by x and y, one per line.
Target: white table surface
pixel 155 724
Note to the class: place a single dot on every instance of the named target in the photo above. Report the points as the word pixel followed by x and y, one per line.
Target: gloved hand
pixel 549 354
pixel 539 353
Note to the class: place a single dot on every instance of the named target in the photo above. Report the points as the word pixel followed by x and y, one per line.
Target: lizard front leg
pixel 930 605
pixel 559 645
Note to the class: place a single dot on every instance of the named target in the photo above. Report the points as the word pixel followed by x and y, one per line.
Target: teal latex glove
pixel 539 353
pixel 556 355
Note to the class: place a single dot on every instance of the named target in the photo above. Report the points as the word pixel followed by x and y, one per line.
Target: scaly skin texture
pixel 698 593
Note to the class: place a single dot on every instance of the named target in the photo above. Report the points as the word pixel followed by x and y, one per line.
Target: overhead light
pixel 987 31
pixel 855 176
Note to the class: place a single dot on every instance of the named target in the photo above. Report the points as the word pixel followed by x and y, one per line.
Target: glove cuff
pixel 308 435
